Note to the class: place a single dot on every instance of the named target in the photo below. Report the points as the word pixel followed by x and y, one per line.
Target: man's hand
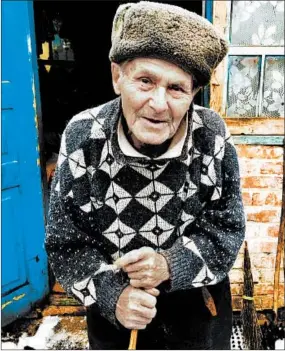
pixel 136 308
pixel 146 268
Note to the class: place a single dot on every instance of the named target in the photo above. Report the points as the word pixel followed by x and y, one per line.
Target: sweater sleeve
pixel 72 245
pixel 208 248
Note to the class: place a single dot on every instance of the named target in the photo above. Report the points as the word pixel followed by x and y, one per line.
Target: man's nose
pixel 158 101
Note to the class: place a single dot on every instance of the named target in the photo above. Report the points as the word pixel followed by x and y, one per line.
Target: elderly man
pixel 151 182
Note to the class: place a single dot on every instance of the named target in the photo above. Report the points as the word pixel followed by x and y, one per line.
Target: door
pixel 24 261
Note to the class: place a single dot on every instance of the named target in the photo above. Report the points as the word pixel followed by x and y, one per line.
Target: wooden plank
pixel 218 78
pixel 63 300
pixel 259 126
pixel 64 310
pixel 258 140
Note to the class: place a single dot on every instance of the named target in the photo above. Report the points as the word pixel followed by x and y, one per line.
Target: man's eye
pixel 145 80
pixel 176 88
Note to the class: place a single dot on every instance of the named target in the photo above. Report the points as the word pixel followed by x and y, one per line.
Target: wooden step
pixel 63 300
pixel 64 311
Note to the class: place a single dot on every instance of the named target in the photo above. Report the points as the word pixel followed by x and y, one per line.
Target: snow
pixel 40 340
pixel 48 337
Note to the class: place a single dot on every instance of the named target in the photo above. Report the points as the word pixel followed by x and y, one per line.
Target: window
pixel 255 81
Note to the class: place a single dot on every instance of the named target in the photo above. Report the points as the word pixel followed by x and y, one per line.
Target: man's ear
pixel 116 75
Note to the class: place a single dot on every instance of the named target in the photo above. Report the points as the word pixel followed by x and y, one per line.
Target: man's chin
pixel 152 139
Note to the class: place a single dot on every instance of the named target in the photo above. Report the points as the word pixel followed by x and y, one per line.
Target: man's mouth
pixel 156 121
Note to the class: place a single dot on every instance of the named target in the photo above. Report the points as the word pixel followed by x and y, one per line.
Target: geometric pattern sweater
pixel 105 203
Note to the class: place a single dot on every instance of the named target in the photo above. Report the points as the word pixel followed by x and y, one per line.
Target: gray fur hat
pixel 149 29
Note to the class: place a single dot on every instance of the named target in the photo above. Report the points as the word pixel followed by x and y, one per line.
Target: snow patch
pixel 40 340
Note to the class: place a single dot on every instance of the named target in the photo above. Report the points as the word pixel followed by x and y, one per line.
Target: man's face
pixel 156 95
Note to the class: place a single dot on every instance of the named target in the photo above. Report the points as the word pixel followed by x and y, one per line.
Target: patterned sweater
pixel 105 203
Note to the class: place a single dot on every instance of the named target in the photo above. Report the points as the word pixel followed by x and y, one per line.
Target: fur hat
pixel 149 29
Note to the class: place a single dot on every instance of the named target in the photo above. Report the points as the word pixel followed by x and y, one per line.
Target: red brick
pixel 268 247
pixel 257 199
pixel 266 302
pixel 273 231
pixel 263 261
pixel 267 198
pixel 271 168
pixel 256 246
pixel 261 182
pixel 273 199
pixel 263 215
pixel 247 198
pixel 260 151
pixel 263 289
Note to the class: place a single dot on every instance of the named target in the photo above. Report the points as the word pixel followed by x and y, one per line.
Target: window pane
pixel 258 23
pixel 273 89
pixel 243 83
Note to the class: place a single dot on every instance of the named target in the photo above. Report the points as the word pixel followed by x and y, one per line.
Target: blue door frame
pixel 209 16
pixel 24 261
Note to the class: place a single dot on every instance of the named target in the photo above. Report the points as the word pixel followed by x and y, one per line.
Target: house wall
pixel 261 169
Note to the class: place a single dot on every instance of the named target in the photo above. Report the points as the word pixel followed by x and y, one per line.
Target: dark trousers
pixel 183 322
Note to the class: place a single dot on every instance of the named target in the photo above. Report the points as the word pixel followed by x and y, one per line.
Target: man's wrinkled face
pixel 156 95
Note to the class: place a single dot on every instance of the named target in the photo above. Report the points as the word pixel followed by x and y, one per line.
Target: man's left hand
pixel 146 268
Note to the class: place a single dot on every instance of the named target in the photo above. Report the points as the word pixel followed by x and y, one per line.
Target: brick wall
pixel 261 170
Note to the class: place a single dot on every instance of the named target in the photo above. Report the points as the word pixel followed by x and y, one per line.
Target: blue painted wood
pixel 12 244
pixel 258 139
pixel 24 261
pixel 209 17
pixel 209 10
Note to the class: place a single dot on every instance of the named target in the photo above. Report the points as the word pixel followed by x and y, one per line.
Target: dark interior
pixel 78 34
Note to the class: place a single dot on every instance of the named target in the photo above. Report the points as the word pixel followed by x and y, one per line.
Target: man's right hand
pixel 136 308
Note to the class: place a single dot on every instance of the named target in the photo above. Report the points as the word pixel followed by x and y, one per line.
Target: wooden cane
pixel 133 339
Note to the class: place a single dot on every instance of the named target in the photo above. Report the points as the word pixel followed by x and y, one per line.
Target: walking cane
pixel 133 340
